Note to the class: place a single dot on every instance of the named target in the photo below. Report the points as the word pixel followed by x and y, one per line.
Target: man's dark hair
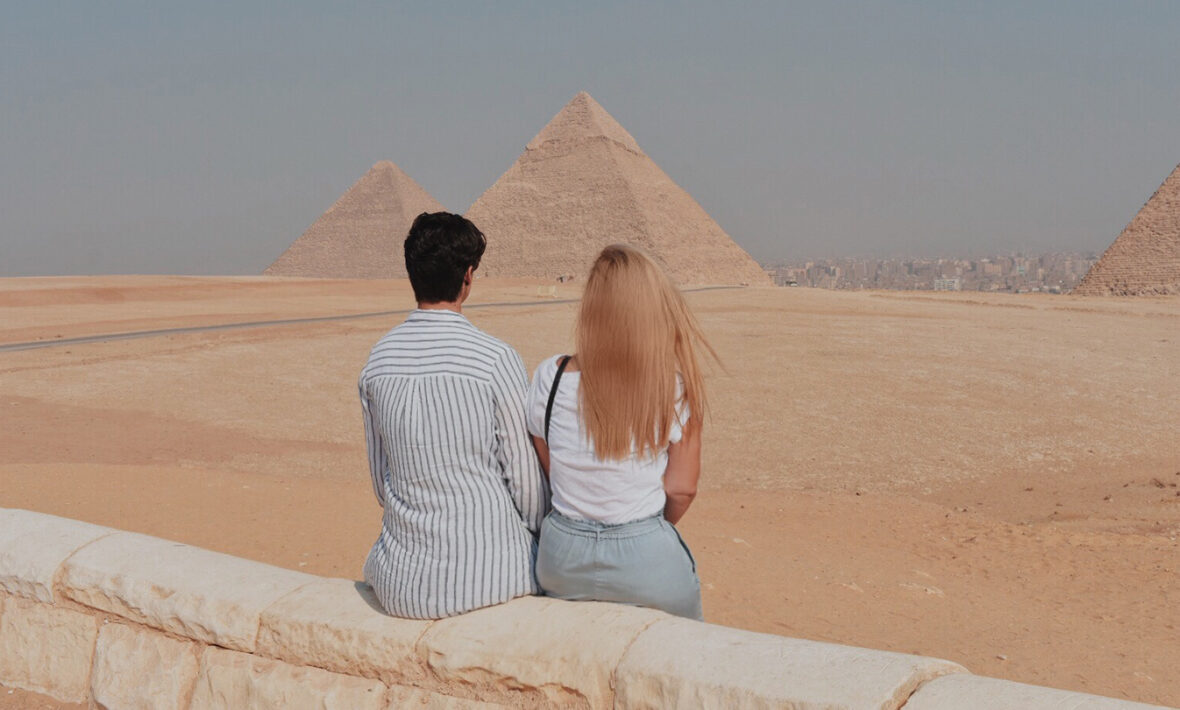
pixel 439 248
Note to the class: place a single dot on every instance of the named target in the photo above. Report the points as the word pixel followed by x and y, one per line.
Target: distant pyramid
pixel 362 235
pixel 1145 259
pixel 583 183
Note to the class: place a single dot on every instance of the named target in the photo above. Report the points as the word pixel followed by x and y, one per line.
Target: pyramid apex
pixel 581 119
pixel 387 170
pixel 386 166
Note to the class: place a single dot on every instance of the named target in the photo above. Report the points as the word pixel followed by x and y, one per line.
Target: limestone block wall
pixel 120 620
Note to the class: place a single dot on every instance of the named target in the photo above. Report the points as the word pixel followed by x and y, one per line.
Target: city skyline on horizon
pixel 1093 253
pixel 1050 272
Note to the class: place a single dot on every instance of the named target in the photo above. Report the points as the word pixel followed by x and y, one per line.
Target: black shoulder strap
pixel 561 363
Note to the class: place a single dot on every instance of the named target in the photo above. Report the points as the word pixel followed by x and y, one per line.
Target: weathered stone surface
pixel 135 669
pixel 403 697
pixel 680 664
pixel 236 681
pixel 46 649
pixel 33 547
pixel 192 592
pixel 562 650
pixel 971 692
pixel 338 624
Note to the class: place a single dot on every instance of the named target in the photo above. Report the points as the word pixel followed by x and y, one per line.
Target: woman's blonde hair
pixel 634 335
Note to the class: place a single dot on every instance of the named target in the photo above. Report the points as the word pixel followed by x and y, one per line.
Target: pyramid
pixel 1145 259
pixel 361 236
pixel 583 183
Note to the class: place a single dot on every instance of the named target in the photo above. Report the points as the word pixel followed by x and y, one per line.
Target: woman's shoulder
pixel 547 367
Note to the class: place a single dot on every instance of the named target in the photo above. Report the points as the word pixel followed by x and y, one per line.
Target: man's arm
pixel 514 452
pixel 378 464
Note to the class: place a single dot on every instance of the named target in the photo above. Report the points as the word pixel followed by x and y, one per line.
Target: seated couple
pixel 462 450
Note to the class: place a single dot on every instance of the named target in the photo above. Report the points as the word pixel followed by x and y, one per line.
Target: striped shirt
pixel 453 467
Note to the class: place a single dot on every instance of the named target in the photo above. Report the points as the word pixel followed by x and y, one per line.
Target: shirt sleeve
pixel 538 397
pixel 514 451
pixel 378 463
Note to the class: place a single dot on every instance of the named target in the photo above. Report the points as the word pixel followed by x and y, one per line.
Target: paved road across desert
pixel 58 341
pixel 990 479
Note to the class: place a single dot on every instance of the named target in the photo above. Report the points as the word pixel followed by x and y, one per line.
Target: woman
pixel 618 431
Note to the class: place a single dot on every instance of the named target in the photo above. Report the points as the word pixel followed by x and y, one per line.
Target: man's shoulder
pixel 385 342
pixel 499 348
pixel 432 348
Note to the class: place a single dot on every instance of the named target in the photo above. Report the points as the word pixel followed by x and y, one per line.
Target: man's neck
pixel 455 306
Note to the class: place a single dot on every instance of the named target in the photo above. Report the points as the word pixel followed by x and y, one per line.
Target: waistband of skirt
pixel 593 528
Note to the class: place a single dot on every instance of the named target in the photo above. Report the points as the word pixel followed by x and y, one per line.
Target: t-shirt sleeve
pixel 538 396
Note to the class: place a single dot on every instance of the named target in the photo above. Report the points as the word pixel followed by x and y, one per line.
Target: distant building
pixel 1052 272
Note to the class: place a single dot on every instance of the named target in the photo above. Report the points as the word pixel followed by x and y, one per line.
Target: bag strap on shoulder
pixel 561 363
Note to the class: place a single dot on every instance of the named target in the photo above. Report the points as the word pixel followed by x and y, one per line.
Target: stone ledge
pixel 33 547
pixel 531 652
pixel 556 652
pixel 46 649
pixel 338 625
pixel 402 697
pixel 971 692
pixel 203 595
pixel 230 680
pixel 686 664
pixel 136 669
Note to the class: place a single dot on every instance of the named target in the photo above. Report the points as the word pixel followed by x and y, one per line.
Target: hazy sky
pixel 205 137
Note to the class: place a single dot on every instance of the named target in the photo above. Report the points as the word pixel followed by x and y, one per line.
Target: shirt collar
pixel 437 315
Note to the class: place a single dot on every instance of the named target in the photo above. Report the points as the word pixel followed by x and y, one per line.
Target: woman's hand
pixel 684 469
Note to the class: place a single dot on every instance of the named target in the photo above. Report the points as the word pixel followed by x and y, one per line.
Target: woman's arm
pixel 683 472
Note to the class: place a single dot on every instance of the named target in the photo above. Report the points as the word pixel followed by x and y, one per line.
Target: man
pixel 448 449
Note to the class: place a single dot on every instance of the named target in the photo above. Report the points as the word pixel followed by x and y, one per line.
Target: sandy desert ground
pixel 985 478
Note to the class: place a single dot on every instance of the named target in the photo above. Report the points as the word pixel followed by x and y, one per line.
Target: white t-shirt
pixel 584 486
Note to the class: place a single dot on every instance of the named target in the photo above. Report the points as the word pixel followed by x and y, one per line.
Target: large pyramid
pixel 1145 259
pixel 583 183
pixel 361 236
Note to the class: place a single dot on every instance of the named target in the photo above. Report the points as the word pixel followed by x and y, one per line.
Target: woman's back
pixel 583 485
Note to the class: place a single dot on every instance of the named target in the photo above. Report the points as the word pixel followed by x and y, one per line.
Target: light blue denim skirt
pixel 643 563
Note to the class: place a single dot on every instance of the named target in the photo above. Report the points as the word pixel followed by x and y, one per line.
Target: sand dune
pixel 989 479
